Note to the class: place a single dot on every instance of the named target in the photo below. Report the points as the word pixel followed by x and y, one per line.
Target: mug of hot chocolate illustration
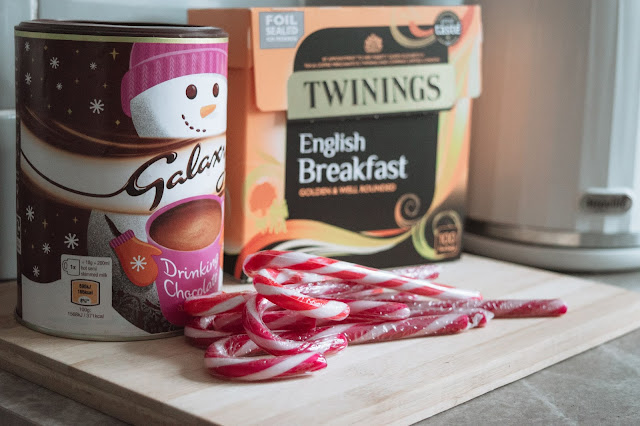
pixel 176 90
pixel 187 235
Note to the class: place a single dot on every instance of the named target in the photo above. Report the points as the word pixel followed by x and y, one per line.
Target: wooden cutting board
pixel 164 381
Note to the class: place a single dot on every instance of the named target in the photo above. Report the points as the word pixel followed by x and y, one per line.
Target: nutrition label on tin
pixel 89 280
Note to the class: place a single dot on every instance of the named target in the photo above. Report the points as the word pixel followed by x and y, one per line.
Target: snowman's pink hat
pixel 153 63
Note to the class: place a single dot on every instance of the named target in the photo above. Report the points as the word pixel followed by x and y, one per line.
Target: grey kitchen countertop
pixel 599 386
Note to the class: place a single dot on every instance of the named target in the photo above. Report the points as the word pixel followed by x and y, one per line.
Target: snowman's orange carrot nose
pixel 206 110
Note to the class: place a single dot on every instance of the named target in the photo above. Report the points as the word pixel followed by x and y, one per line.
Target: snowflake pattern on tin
pixel 43 245
pixel 77 94
pixel 56 90
pixel 71 241
pixel 96 106
pixel 31 214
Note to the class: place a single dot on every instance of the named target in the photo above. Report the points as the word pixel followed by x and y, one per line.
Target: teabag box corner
pixel 348 130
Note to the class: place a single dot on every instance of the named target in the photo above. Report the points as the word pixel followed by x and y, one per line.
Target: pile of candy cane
pixel 306 307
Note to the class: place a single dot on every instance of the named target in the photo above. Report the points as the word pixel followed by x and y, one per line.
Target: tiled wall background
pixel 13 12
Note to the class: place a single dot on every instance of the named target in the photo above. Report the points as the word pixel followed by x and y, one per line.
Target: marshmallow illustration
pixel 176 90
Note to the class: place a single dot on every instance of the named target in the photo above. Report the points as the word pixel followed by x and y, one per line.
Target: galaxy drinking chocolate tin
pixel 120 175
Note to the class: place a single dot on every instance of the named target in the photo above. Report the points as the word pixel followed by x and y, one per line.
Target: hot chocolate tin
pixel 120 175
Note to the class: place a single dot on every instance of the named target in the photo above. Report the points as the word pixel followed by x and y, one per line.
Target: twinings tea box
pixel 348 130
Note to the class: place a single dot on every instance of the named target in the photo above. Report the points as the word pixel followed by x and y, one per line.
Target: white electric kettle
pixel 554 174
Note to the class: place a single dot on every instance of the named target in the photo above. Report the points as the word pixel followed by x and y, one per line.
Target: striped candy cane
pixel 379 305
pixel 217 303
pixel 227 357
pixel 294 357
pixel 266 282
pixel 421 272
pixel 373 310
pixel 514 308
pixel 477 317
pixel 259 333
pixel 203 338
pixel 394 330
pixel 391 296
pixel 336 289
pixel 224 358
pixel 525 308
pixel 232 322
pixel 302 262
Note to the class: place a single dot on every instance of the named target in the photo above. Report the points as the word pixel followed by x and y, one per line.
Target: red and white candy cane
pixel 203 331
pixel 217 303
pixel 202 338
pixel 295 357
pixel 373 310
pixel 394 330
pixel 266 282
pixel 232 322
pixel 227 358
pixel 352 295
pixel 525 308
pixel 258 331
pixel 478 318
pixel 323 338
pixel 421 272
pixel 392 296
pixel 335 289
pixel 514 308
pixel 362 293
pixel 295 277
pixel 302 262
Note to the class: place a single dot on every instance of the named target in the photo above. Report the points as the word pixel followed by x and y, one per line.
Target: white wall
pixel 11 12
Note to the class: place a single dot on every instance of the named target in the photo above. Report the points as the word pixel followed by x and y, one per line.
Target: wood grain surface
pixel 164 381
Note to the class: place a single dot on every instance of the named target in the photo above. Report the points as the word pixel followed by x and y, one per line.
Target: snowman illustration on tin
pixel 176 90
